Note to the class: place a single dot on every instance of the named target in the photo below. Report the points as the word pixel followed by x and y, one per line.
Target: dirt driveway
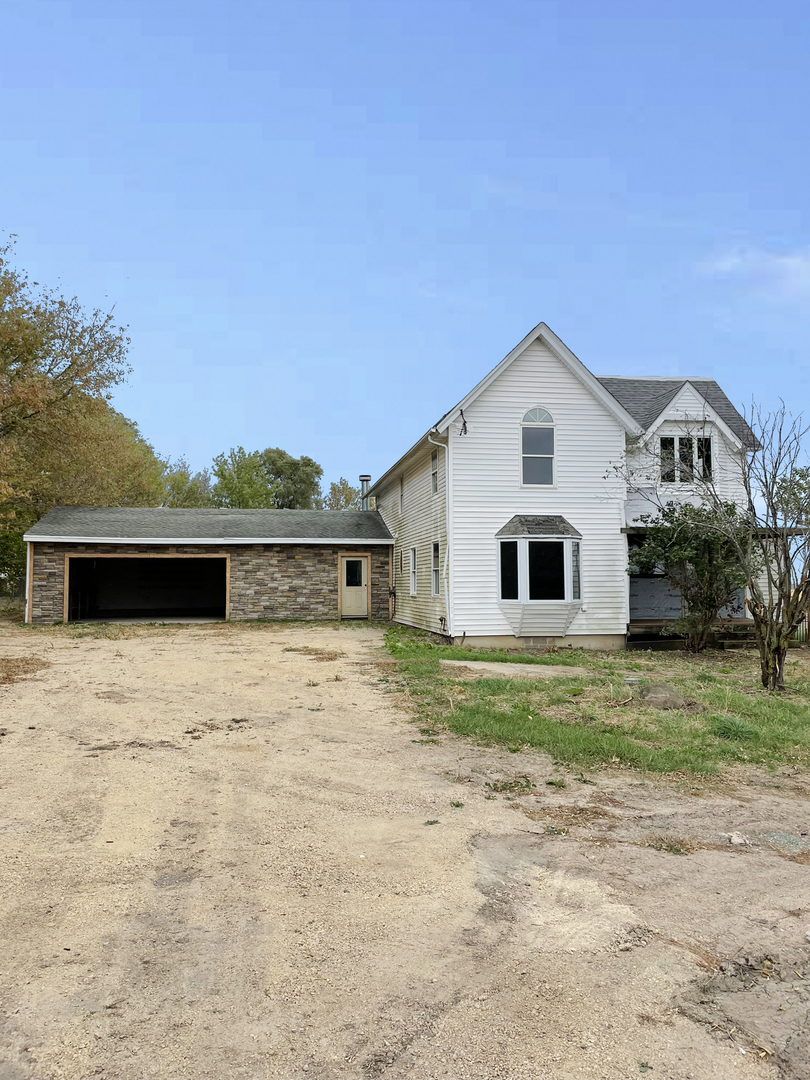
pixel 226 852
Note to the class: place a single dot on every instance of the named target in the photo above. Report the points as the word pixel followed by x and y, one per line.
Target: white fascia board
pixel 566 357
pixel 224 541
pixel 399 464
pixel 709 416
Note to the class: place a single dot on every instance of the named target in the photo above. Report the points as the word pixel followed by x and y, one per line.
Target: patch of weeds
pixel 584 779
pixel 433 821
pixel 428 731
pixel 427 742
pixel 554 830
pixel 316 653
pixel 516 749
pixel 311 682
pixel 13 668
pixel 556 781
pixel 672 845
pixel 520 783
pixel 579 720
pixel 456 804
pixel 643 1067
pixel 730 727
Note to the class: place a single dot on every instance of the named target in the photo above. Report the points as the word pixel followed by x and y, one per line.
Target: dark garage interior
pixel 146 588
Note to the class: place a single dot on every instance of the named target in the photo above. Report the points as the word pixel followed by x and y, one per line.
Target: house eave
pixel 543 333
pixel 218 541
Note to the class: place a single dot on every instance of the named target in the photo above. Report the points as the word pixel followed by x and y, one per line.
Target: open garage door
pixel 153 588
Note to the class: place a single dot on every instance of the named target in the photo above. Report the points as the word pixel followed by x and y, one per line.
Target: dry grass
pixel 14 668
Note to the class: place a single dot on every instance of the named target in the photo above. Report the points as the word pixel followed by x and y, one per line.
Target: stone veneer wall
pixel 268 581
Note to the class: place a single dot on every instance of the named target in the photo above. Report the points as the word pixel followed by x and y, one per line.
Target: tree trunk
pixel 772 640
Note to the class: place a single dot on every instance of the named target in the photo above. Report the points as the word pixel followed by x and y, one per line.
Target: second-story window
pixel 434 472
pixel 685 459
pixel 537 449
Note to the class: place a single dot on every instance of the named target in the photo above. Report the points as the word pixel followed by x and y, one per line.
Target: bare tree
pixel 772 498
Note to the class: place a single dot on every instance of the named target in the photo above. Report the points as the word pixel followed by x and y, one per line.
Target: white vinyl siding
pixel 417 518
pixel 488 492
pixel 686 418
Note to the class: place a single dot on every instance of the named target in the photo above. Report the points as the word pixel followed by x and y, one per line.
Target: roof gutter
pixel 220 541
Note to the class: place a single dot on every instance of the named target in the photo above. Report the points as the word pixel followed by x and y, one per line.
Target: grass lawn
pixel 597 718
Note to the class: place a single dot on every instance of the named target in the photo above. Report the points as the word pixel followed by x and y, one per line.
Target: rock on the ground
pixel 662 696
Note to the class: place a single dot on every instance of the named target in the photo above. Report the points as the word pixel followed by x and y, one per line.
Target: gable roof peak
pixel 646 397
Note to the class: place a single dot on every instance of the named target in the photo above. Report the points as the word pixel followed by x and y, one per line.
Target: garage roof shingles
pixel 126 523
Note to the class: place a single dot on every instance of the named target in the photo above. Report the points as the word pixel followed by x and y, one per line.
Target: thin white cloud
pixel 782 275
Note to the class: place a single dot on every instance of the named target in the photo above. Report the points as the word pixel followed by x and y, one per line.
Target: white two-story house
pixel 511 516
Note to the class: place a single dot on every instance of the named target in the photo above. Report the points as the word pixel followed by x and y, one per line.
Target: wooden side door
pixel 353 571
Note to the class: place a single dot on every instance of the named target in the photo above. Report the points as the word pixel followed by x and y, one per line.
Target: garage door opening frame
pixel 147 555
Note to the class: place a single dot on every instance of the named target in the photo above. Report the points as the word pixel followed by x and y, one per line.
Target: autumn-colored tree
pixel 52 352
pixel 93 457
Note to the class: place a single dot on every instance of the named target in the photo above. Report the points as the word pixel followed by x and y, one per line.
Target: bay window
pixel 537 570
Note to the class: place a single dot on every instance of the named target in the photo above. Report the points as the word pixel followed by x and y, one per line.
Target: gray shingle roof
pixel 534 525
pixel 645 398
pixel 163 524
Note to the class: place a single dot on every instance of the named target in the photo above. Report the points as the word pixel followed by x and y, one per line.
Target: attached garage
pixel 158 564
pixel 160 587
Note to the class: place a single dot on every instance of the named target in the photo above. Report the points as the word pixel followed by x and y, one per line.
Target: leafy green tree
pixel 184 488
pixel 690 545
pixel 296 482
pixel 241 481
pixel 265 478
pixel 12 562
pixel 341 496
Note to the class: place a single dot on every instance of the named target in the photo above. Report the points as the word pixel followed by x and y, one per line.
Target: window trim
pixel 523 569
pixel 434 472
pixel 678 464
pixel 550 425
pixel 413 577
pixel 435 569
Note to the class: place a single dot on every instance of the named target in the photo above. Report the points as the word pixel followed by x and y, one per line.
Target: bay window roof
pixel 538 525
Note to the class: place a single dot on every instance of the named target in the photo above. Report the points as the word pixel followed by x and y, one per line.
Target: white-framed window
pixel 537 449
pixel 539 569
pixel 435 571
pixel 401 494
pixel 413 571
pixel 434 472
pixel 685 458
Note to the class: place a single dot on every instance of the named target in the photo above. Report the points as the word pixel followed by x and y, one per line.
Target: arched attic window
pixel 537 448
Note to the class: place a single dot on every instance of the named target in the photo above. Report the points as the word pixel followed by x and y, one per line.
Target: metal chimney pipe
pixel 365 484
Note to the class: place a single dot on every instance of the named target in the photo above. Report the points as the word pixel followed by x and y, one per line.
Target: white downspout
pixel 27 580
pixel 446 568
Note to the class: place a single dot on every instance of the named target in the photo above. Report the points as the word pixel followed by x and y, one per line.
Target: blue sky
pixel 325 221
